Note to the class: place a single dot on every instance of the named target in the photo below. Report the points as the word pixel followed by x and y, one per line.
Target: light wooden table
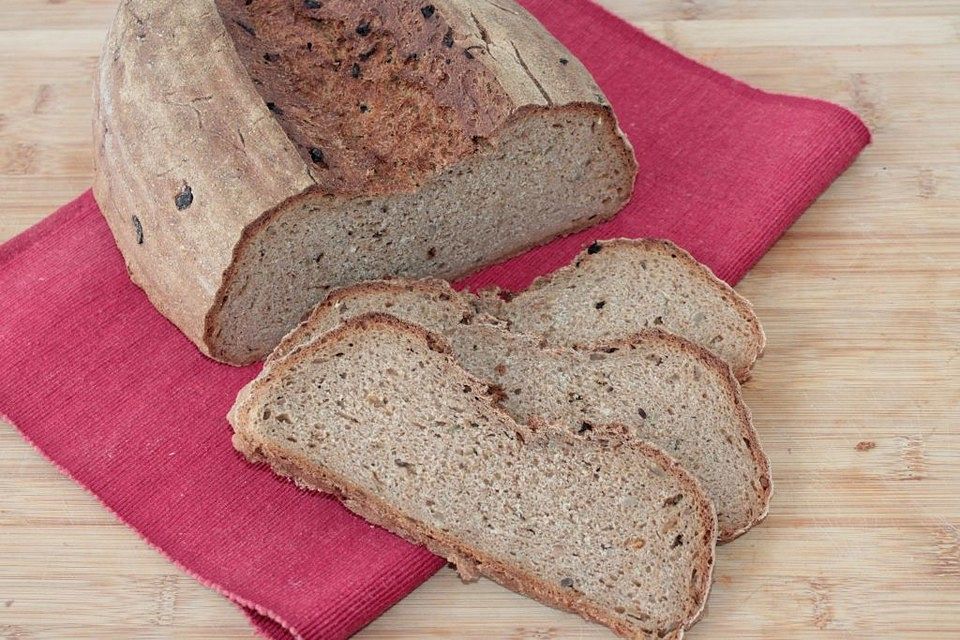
pixel 861 302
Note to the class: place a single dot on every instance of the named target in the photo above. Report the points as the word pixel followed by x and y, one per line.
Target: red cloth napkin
pixel 116 397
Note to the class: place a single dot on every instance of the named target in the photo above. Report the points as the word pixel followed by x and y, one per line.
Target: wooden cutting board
pixel 857 399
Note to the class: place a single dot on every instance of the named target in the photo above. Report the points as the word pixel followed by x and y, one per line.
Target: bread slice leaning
pixel 663 389
pixel 379 413
pixel 618 287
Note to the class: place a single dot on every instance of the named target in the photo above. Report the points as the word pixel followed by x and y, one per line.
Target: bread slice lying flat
pixel 379 413
pixel 615 288
pixel 664 389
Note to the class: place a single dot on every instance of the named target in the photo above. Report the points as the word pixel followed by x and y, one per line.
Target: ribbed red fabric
pixel 121 402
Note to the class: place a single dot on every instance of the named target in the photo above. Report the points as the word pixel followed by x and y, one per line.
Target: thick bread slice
pixel 618 287
pixel 664 389
pixel 379 413
pixel 252 156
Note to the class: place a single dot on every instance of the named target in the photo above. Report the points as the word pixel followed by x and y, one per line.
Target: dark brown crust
pixel 426 104
pixel 763 482
pixel 211 320
pixel 738 302
pixel 470 562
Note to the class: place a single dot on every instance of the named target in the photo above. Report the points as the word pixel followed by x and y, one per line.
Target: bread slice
pixel 664 389
pixel 618 287
pixel 379 413
pixel 252 156
pixel 430 302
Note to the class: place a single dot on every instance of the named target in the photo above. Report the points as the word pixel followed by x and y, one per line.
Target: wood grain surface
pixel 857 399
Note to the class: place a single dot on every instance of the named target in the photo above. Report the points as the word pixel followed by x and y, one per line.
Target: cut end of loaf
pixel 333 115
pixel 410 441
pixel 551 172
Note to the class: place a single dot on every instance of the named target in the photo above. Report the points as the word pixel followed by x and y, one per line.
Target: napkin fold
pixel 121 402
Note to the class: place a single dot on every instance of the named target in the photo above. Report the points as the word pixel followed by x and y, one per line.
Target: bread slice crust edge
pixel 742 306
pixel 294 341
pixel 470 562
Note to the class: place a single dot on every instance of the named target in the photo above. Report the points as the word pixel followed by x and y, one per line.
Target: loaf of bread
pixel 379 413
pixel 615 288
pixel 252 156
pixel 663 389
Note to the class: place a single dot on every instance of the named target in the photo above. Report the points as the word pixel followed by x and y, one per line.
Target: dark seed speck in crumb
pixel 564 61
pixel 566 583
pixel 317 156
pixel 448 38
pixel 427 11
pixel 363 29
pixel 312 4
pixel 185 198
pixel 355 70
pixel 138 229
pixel 594 248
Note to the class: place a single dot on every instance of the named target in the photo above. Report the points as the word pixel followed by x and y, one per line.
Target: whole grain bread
pixel 379 413
pixel 618 287
pixel 252 156
pixel 662 388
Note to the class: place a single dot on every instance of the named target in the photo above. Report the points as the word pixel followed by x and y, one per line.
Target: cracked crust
pixel 470 562
pixel 194 95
